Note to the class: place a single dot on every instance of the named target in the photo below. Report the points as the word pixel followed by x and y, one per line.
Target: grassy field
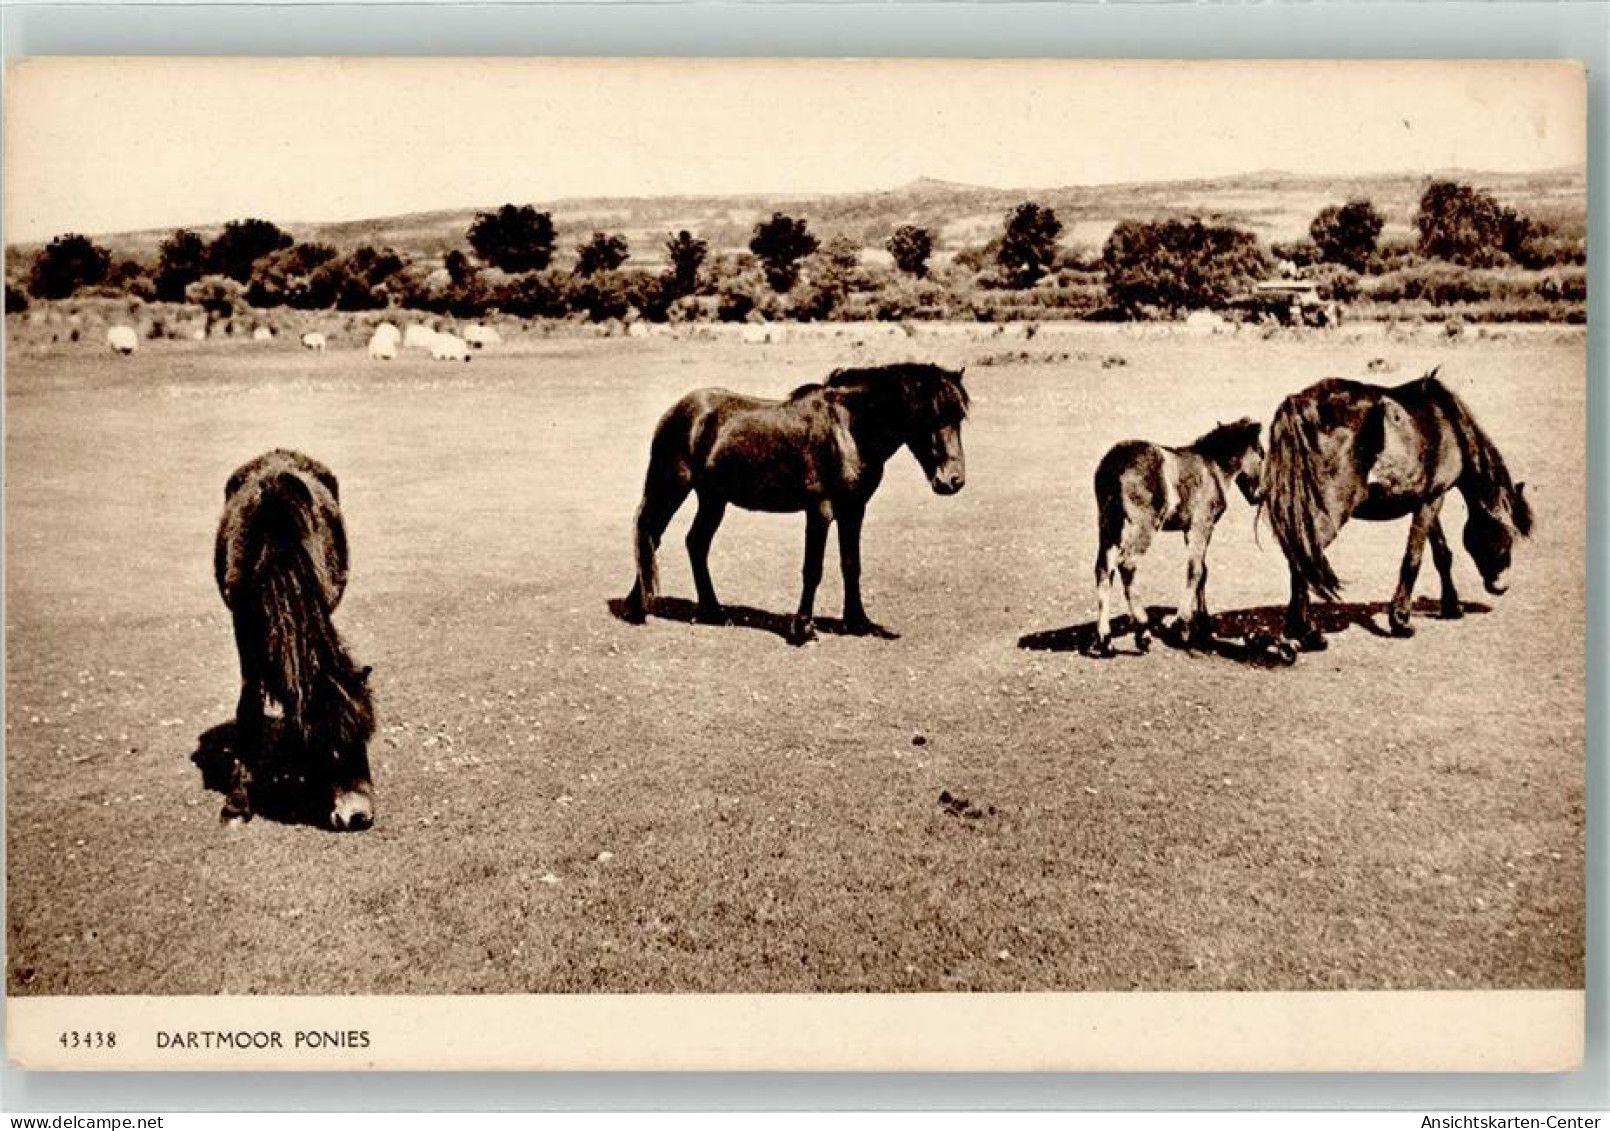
pixel 570 803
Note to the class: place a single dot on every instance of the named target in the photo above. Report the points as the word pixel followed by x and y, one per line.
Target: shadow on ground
pixel 1245 636
pixel 736 616
pixel 281 791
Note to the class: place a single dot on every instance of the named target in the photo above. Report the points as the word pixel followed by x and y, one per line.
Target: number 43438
pixel 89 1039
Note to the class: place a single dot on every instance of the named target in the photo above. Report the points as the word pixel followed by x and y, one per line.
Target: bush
pixel 533 294
pixel 780 244
pixel 911 246
pixel 65 264
pixel 182 259
pixel 601 253
pixel 1029 246
pixel 1461 224
pixel 515 239
pixel 234 252
pixel 16 300
pixel 1299 253
pixel 1175 265
pixel 219 295
pixel 1347 234
pixel 1336 282
pixel 685 253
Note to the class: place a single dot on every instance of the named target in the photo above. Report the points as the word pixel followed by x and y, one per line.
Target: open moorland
pixel 567 802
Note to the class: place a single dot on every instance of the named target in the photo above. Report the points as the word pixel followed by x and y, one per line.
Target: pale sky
pixel 104 145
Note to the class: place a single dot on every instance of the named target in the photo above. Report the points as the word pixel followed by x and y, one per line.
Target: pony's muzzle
pixel 948 482
pixel 1498 584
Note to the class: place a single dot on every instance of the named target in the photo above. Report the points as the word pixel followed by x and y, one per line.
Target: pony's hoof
pixel 1285 652
pixel 1143 643
pixel 634 614
pixel 1311 641
pixel 866 627
pixel 231 816
pixel 353 811
pixel 801 632
pixel 711 614
pixel 1455 611
pixel 1401 629
pixel 1100 650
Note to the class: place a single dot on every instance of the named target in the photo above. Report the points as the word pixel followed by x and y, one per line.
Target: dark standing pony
pixel 820 451
pixel 281 565
pixel 1142 488
pixel 1343 449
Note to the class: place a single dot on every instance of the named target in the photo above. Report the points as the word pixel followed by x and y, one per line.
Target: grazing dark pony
pixel 1343 449
pixel 281 565
pixel 820 451
pixel 1142 488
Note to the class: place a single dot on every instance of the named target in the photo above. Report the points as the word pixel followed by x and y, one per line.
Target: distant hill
pixel 1275 205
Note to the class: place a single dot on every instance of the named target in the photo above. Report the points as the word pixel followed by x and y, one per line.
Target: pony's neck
pixel 876 421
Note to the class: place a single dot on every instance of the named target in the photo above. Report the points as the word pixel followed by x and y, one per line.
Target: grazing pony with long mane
pixel 821 450
pixel 281 566
pixel 1343 449
pixel 1142 488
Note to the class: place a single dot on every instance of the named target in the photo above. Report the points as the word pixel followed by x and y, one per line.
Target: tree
pixel 234 252
pixel 1029 246
pixel 686 255
pixel 601 253
pixel 459 267
pixel 911 246
pixel 291 276
pixel 1460 224
pixel 65 264
pixel 1178 265
pixel 514 239
pixel 780 243
pixel 182 259
pixel 219 295
pixel 1347 234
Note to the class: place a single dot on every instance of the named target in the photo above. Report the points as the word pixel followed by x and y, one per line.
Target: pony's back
pixel 281 566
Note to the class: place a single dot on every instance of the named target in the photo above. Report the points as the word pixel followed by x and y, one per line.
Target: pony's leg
pixel 249 735
pixel 1106 578
pixel 1442 558
pixel 700 535
pixel 662 495
pixel 1305 637
pixel 1398 614
pixel 849 518
pixel 1190 619
pixel 1136 538
pixel 816 524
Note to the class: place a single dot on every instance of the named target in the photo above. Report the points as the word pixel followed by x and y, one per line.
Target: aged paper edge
pixel 1376 1031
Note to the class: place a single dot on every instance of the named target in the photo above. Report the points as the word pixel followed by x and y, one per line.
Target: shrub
pixel 601 253
pixel 181 260
pixel 1299 253
pixel 533 294
pixel 1029 246
pixel 65 264
pixel 16 300
pixel 516 239
pixel 685 253
pixel 1347 234
pixel 1336 282
pixel 1175 265
pixel 1460 224
pixel 234 252
pixel 780 244
pixel 911 246
pixel 219 295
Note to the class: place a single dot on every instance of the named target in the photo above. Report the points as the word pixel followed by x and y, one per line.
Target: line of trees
pixel 1145 268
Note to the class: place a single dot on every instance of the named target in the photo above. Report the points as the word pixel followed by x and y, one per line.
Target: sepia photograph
pixel 920 536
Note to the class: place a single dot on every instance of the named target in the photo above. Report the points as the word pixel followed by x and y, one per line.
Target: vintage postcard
pixel 819 564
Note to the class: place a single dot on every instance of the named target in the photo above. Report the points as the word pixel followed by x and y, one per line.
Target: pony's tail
pixel 300 644
pixel 1292 498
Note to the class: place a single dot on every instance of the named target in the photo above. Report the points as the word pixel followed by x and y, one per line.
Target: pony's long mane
pixel 1489 475
pixel 305 665
pixel 929 390
pixel 1224 444
pixel 1293 497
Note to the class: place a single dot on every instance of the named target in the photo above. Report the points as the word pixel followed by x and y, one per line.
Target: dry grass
pixel 568 803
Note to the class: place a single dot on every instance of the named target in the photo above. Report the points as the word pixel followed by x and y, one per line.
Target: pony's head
pixel 939 405
pixel 1238 449
pixel 924 407
pixel 1496 521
